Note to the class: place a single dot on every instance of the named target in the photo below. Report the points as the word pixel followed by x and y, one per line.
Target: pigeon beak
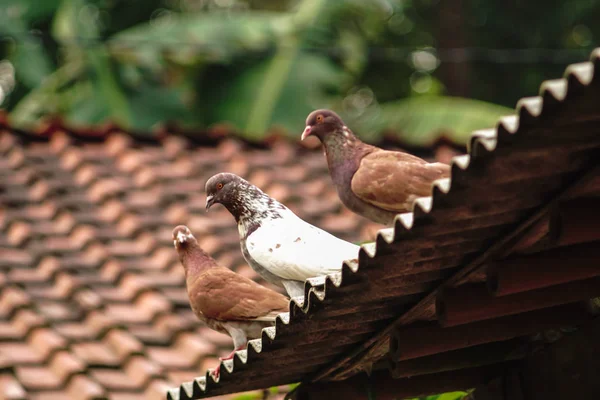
pixel 210 200
pixel 182 238
pixel 306 133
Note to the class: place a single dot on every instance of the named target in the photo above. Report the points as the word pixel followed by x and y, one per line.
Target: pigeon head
pixel 242 199
pixel 321 123
pixel 191 255
pixel 223 189
pixel 182 237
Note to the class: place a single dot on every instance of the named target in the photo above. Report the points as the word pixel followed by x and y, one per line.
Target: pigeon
pixel 375 183
pixel 284 249
pixel 226 301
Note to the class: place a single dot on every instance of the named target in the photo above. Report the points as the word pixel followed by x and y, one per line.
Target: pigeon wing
pixel 393 180
pixel 295 250
pixel 221 294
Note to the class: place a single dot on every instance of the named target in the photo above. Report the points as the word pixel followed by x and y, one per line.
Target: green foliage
pixel 248 396
pixel 445 396
pixel 263 65
pixel 420 120
pixel 266 394
pixel 258 70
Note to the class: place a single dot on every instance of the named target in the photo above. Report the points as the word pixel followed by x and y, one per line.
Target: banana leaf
pixel 421 120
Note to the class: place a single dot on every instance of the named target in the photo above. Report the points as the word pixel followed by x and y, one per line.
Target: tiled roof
pixel 526 189
pixel 92 298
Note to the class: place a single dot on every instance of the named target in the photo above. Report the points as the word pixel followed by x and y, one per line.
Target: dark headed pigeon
pixel 227 302
pixel 372 182
pixel 281 247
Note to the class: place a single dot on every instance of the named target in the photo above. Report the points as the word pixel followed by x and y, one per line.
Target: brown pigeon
pixel 227 302
pixel 372 182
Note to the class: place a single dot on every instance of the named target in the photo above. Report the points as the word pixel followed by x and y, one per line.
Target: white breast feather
pixel 293 249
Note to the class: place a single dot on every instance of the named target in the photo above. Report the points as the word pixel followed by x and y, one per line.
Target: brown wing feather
pixel 221 294
pixel 392 180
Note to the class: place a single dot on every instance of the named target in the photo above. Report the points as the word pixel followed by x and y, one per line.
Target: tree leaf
pixel 449 396
pixel 282 90
pixel 195 38
pixel 444 396
pixel 152 104
pixel 45 99
pixel 29 11
pixel 76 21
pixel 305 88
pixel 32 63
pixel 30 59
pixel 421 120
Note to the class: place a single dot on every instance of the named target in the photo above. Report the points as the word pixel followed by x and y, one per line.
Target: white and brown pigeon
pixel 227 302
pixel 372 182
pixel 284 249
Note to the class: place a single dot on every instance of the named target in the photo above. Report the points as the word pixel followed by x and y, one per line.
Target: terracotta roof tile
pixel 87 299
pixel 13 257
pixel 171 358
pixel 46 341
pixel 141 369
pixel 59 311
pixel 96 354
pixel 114 379
pixel 12 299
pixel 123 343
pixel 65 364
pixel 193 345
pixel 82 387
pixel 64 287
pixel 151 336
pixel 9 331
pixel 37 378
pixel 173 323
pixel 25 320
pixel 11 388
pixel 21 353
pixel 156 389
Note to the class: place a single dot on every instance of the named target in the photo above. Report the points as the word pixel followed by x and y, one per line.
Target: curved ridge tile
pixel 529 110
pixel 553 92
pixel 582 72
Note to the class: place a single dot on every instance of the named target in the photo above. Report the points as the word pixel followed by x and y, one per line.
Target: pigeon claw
pixel 217 371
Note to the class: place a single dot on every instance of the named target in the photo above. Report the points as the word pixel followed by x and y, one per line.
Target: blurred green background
pixel 415 68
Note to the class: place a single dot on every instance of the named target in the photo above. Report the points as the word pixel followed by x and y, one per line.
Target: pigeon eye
pixel 219 186
pixel 319 118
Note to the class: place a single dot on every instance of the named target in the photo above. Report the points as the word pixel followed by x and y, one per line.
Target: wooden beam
pixel 470 357
pixel 469 303
pixel 548 268
pixel 427 338
pixel 569 222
